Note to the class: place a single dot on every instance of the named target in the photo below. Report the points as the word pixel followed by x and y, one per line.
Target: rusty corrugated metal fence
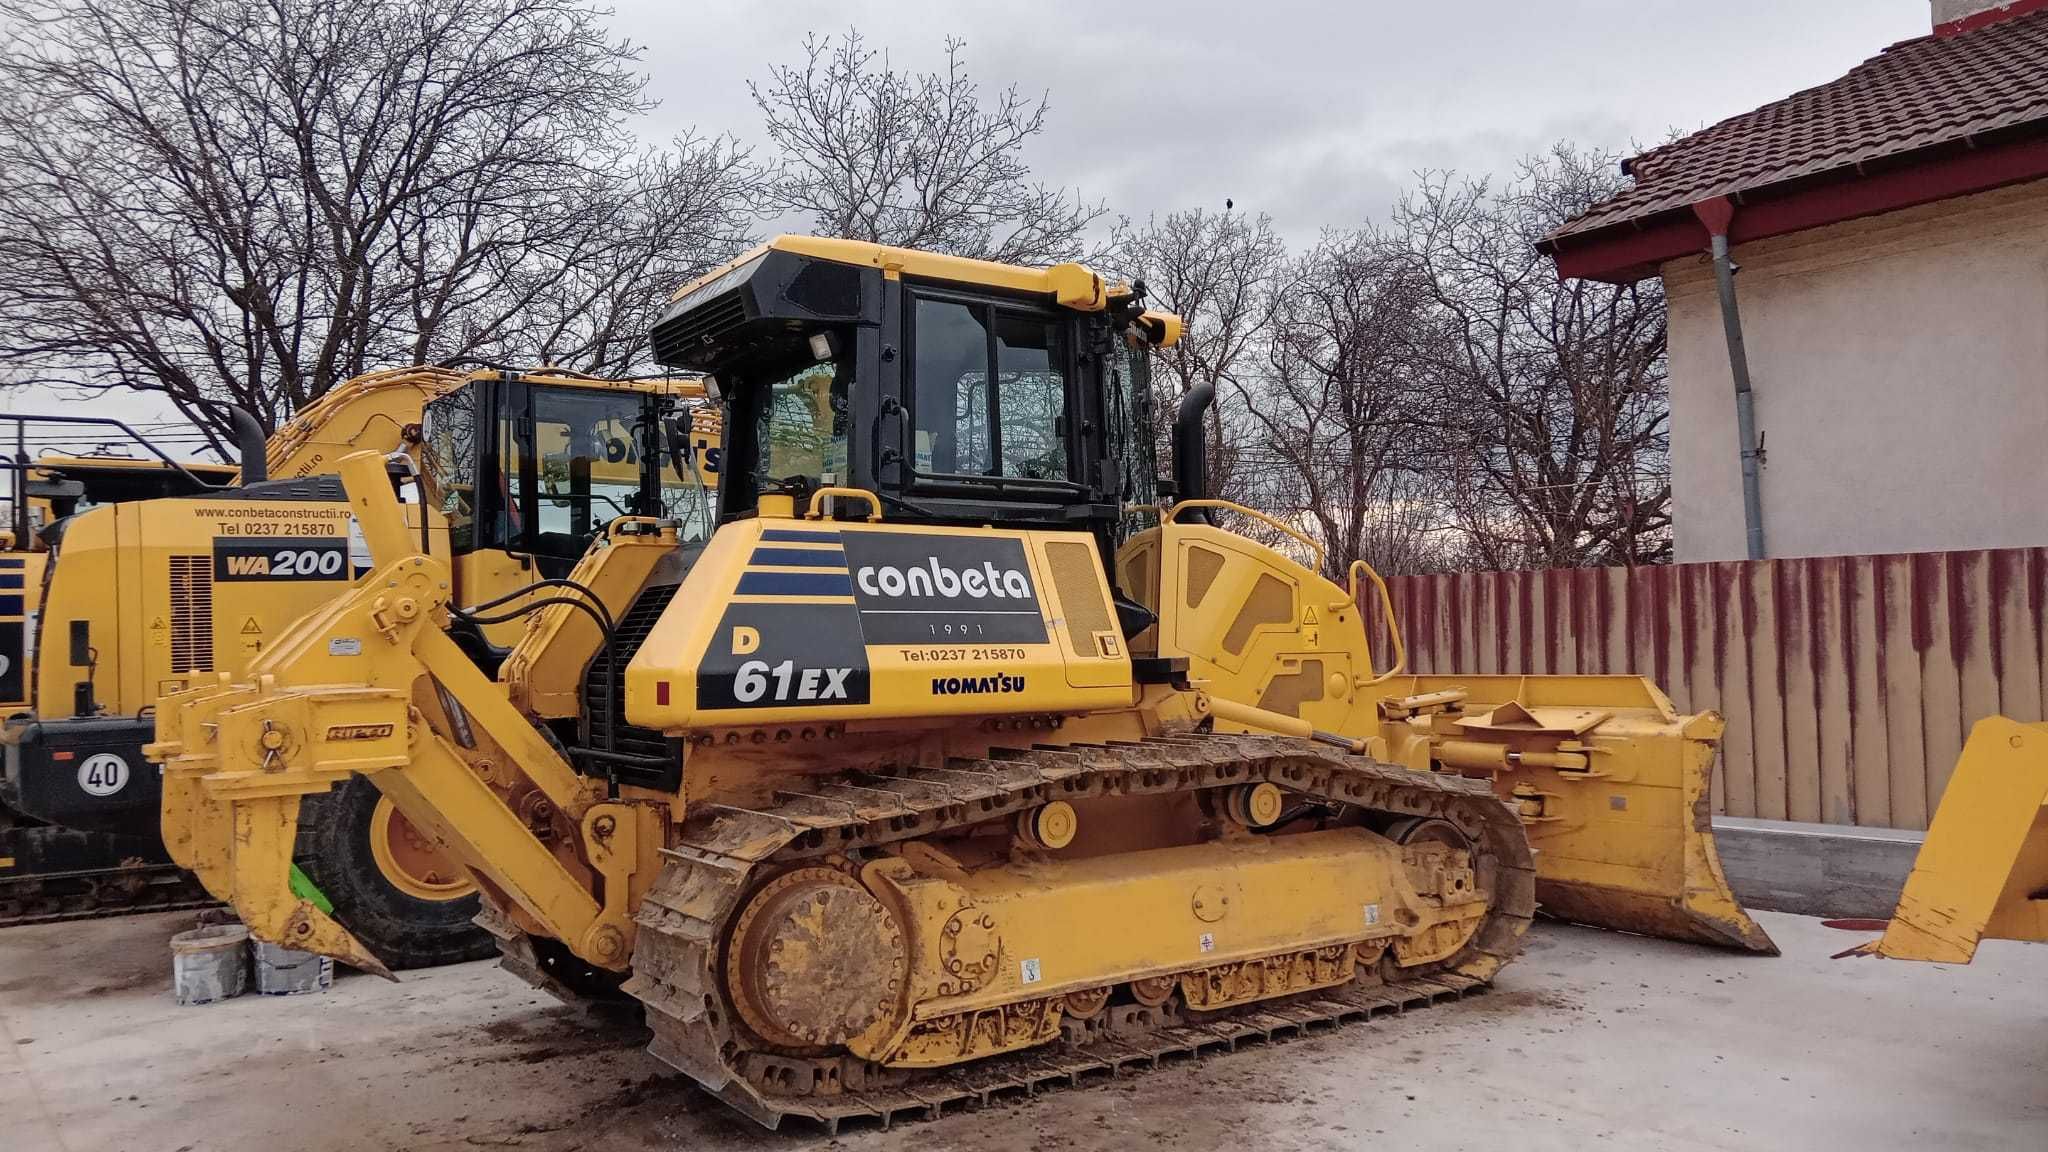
pixel 1848 682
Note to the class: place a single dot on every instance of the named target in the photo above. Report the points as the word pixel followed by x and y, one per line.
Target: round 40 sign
pixel 103 774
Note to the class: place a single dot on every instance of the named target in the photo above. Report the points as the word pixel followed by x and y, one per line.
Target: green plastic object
pixel 304 888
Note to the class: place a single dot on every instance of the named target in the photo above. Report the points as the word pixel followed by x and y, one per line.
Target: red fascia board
pixel 1631 252
pixel 1623 256
pixel 1988 16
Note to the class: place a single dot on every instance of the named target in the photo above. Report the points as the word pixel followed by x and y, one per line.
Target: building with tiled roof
pixel 1891 232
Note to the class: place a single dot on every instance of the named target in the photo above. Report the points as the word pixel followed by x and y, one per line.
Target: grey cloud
pixel 1318 113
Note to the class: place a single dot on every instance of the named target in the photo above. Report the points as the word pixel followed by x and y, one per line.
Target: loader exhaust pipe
pixel 1190 451
pixel 249 435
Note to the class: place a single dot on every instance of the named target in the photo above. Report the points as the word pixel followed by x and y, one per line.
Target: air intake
pixel 605 703
pixel 191 614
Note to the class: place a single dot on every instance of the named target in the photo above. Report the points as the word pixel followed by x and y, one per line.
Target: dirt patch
pixel 1501 1002
pixel 130 981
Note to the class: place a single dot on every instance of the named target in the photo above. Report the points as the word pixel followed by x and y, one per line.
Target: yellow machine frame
pixel 1609 778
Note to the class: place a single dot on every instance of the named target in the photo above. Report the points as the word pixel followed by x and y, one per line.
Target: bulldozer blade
pixel 1629 844
pixel 1983 869
pixel 1663 882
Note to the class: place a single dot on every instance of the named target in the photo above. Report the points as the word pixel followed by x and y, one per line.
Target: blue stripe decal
pixel 11 605
pixel 793 558
pixel 15 563
pixel 799 536
pixel 794 584
pixel 11 580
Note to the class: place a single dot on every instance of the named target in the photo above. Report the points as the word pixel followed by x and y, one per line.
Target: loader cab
pixel 533 467
pixel 956 391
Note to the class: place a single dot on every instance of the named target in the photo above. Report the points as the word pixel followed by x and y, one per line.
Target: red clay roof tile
pixel 1916 94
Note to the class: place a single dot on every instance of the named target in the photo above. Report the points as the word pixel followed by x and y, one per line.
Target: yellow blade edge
pixel 1982 872
pixel 260 891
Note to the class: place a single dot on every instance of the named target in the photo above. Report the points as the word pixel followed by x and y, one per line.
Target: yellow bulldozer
pixel 145 595
pixel 961 758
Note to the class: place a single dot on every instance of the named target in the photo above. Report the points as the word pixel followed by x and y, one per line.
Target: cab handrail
pixel 1254 513
pixel 816 510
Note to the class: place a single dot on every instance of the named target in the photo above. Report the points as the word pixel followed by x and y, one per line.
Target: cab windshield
pixel 791 402
pixel 555 466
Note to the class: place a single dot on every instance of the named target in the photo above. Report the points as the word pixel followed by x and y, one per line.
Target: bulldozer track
pixel 726 851
pixel 56 897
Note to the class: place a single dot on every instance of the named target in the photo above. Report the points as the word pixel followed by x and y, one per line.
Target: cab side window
pixel 989 391
pixel 451 451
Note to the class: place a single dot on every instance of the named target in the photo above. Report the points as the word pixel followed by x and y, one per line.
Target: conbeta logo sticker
pixel 933 579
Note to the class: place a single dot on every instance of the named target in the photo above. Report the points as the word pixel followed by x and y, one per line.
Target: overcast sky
pixel 1318 114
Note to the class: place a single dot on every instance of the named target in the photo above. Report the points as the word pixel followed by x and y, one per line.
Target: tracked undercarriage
pixel 722 906
pixel 53 897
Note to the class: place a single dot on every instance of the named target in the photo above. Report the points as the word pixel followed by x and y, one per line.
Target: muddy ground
pixel 1592 1040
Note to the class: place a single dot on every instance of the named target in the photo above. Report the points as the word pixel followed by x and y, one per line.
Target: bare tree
pixel 1217 271
pixel 252 200
pixel 913 159
pixel 1551 404
pixel 1338 405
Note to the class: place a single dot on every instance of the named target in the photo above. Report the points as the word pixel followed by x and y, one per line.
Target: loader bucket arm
pixel 1610 780
pixel 1983 870
pixel 368 685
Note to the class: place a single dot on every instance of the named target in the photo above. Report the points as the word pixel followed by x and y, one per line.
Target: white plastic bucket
pixel 210 963
pixel 289 972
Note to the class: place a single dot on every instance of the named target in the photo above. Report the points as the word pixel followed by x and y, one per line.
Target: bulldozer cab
pixel 955 391
pixel 536 470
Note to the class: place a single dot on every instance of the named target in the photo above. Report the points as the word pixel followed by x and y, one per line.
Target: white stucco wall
pixel 1901 373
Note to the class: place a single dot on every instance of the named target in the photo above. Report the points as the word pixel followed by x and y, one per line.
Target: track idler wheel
pixel 1154 990
pixel 1442 869
pixel 816 960
pixel 1255 805
pixel 1087 1005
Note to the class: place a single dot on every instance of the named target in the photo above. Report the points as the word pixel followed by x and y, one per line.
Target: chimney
pixel 1955 17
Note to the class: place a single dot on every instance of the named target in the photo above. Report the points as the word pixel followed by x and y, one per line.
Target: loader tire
pixel 336 852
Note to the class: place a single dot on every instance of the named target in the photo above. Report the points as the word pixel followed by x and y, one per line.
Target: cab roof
pixel 1070 285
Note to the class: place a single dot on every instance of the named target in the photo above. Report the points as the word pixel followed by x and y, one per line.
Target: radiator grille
pixel 1074 577
pixel 605 703
pixel 191 614
pixel 1203 566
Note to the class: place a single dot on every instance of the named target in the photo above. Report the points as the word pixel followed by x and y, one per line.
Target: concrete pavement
pixel 1592 1039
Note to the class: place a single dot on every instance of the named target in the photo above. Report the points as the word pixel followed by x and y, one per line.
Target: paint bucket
pixel 288 972
pixel 210 963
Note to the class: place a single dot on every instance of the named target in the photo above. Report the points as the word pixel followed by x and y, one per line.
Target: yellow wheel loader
pixel 1982 872
pixel 956 762
pixel 46 488
pixel 143 596
pixel 51 870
